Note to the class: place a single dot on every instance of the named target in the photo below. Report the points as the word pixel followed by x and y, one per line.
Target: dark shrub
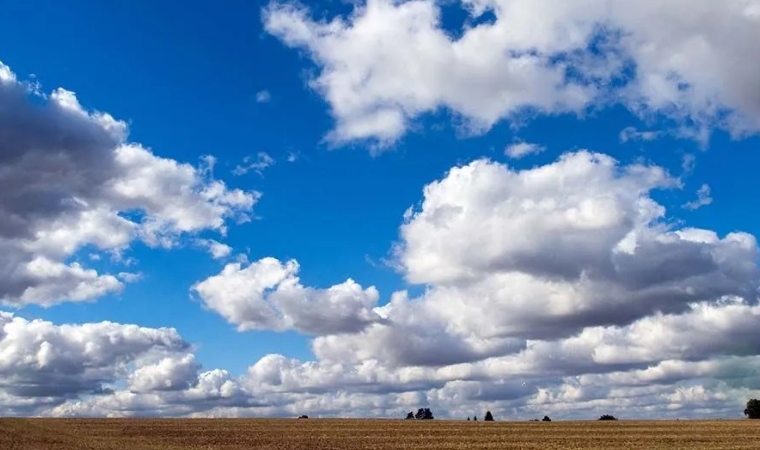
pixel 546 419
pixel 424 414
pixel 488 417
pixel 753 409
pixel 607 417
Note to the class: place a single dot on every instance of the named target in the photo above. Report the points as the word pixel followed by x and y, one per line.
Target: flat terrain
pixel 345 434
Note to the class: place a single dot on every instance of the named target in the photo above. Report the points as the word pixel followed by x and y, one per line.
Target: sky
pixel 357 209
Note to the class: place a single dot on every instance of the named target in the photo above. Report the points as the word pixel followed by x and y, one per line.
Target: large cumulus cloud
pixel 562 289
pixel 267 294
pixel 388 62
pixel 544 254
pixel 70 179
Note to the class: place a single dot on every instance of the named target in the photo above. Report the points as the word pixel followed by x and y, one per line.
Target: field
pixel 345 434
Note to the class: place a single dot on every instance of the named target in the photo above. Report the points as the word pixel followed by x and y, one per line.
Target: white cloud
pixel 547 252
pixel 632 134
pixel 561 289
pixel 263 96
pixel 258 164
pixel 268 295
pixel 688 163
pixel 389 62
pixel 171 373
pixel 703 198
pixel 40 360
pixel 69 179
pixel 555 290
pixel 216 249
pixel 585 302
pixel 700 362
pixel 521 149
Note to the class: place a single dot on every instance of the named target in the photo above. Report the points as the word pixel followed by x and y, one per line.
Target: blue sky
pixel 235 79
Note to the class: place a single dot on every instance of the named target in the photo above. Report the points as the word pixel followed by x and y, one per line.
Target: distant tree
pixel 546 419
pixel 468 418
pixel 753 409
pixel 475 418
pixel 303 416
pixel 607 417
pixel 410 416
pixel 424 414
pixel 488 417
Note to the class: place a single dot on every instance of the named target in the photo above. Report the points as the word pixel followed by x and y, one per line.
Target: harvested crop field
pixel 312 434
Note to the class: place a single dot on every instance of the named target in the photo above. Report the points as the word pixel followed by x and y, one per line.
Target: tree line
pixel 427 414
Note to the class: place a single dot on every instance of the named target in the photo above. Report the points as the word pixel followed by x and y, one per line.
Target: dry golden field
pixel 345 434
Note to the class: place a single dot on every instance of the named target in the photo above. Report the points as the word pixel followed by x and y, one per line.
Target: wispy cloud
pixel 632 134
pixel 703 198
pixel 688 163
pixel 257 164
pixel 263 96
pixel 521 149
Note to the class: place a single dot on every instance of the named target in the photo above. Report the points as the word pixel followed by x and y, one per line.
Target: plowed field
pixel 345 434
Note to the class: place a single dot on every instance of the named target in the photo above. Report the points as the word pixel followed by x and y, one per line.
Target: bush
pixel 422 414
pixel 489 417
pixel 303 416
pixel 546 419
pixel 753 409
pixel 607 417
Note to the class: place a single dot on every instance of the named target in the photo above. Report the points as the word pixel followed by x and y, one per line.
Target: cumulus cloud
pixel 388 62
pixel 216 249
pixel 267 294
pixel 543 254
pixel 521 149
pixel 171 373
pixel 70 179
pixel 563 289
pixel 585 301
pixel 41 360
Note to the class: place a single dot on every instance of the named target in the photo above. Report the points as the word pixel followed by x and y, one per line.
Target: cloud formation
pixel 522 149
pixel 258 164
pixel 703 198
pixel 70 180
pixel 387 63
pixel 267 295
pixel 561 289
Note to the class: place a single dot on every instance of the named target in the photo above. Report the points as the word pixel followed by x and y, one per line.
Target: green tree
pixel 489 417
pixel 753 409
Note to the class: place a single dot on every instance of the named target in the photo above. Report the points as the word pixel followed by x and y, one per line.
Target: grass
pixel 315 434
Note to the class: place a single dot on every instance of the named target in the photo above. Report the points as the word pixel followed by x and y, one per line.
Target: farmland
pixel 277 434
